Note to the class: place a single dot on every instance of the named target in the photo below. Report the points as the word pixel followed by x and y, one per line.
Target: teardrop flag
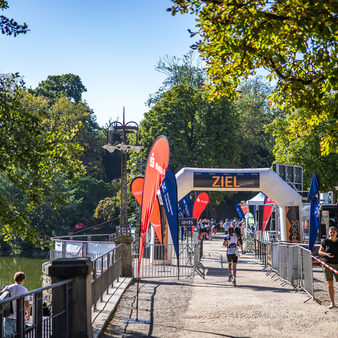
pixel 169 197
pixel 201 201
pixel 267 211
pixel 136 188
pixel 157 164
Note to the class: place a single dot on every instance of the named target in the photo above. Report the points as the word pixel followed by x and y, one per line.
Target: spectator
pixel 16 289
pixel 329 250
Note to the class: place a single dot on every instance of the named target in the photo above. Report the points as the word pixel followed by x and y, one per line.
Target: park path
pixel 260 306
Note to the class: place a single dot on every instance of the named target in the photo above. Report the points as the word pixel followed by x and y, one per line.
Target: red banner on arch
pixel 136 188
pixel 157 165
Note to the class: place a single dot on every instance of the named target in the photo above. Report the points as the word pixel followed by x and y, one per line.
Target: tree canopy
pixel 66 84
pixel 32 157
pixel 10 26
pixel 294 40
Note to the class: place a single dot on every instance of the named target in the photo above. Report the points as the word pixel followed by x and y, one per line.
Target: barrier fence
pixel 292 262
pixel 160 261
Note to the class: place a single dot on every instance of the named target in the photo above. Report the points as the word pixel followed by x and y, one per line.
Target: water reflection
pixel 32 267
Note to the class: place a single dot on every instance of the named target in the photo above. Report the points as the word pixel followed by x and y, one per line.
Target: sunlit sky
pixel 113 45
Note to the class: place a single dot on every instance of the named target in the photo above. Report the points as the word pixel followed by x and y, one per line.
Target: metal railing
pixel 291 261
pixel 160 260
pixel 106 269
pixel 55 324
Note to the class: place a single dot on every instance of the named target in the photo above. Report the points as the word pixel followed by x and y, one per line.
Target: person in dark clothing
pixel 329 250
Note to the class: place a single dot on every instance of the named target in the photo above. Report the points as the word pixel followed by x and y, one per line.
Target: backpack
pixel 6 308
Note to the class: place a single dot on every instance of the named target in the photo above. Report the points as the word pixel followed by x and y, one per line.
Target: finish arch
pixel 259 179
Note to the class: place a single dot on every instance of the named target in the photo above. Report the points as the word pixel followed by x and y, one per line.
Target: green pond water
pixel 32 267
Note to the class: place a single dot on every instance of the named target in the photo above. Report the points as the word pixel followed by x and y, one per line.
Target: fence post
pixel 80 269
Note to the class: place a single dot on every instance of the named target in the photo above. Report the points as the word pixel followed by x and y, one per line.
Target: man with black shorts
pixel 232 243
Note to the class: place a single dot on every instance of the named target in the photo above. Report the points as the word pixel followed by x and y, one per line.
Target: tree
pixel 31 159
pixel 294 40
pixel 304 151
pixel 56 85
pixel 253 115
pixel 10 26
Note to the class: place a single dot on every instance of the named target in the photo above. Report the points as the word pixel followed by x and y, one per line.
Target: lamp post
pixel 123 129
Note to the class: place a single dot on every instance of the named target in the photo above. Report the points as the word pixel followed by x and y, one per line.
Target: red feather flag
pixel 201 201
pixel 157 165
pixel 136 188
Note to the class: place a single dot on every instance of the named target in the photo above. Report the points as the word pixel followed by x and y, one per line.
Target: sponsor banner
pixel 180 212
pixel 186 205
pixel 314 210
pixel 187 222
pixel 169 197
pixel 292 223
pixel 201 201
pixel 244 207
pixel 226 180
pixel 157 164
pixel 136 188
pixel 267 211
pixel 239 211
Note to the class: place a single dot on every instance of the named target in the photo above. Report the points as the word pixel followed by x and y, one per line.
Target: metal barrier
pixel 291 261
pixel 162 261
pixel 106 269
pixel 57 324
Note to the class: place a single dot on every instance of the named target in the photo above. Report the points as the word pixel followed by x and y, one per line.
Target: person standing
pixel 329 250
pixel 16 289
pixel 232 243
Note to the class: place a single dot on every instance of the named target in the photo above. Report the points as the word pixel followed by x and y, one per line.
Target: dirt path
pixel 260 306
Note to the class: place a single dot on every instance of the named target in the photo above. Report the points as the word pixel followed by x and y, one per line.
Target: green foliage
pixel 31 159
pixel 304 151
pixel 66 84
pixel 10 26
pixel 294 40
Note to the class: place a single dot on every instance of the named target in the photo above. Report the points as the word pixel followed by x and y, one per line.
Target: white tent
pixel 257 200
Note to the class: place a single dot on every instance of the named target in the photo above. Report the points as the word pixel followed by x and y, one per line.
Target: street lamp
pixel 123 129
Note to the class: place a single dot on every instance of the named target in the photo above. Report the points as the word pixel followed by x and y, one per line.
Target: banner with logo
pixel 244 207
pixel 169 198
pixel 136 188
pixel 239 211
pixel 314 210
pixel 201 201
pixel 267 211
pixel 186 204
pixel 180 212
pixel 156 168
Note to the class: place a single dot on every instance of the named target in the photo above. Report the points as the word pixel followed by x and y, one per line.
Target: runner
pixel 232 243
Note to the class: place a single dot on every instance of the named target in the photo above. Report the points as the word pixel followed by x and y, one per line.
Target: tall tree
pixel 294 40
pixel 31 158
pixel 57 85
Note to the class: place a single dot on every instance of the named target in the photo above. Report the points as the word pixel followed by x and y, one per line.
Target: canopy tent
pixel 257 200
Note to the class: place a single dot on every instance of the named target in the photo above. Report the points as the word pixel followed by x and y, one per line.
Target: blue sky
pixel 113 45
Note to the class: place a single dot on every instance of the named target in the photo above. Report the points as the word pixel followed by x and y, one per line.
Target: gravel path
pixel 260 306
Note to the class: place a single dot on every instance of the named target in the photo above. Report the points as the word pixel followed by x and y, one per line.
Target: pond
pixel 32 267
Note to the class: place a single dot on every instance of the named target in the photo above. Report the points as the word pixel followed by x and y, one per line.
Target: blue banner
pixel 186 204
pixel 314 211
pixel 169 198
pixel 180 212
pixel 239 211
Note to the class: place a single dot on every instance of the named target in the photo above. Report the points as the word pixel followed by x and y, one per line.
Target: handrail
pixel 55 285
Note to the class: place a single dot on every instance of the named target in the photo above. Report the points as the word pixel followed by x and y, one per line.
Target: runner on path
pixel 232 243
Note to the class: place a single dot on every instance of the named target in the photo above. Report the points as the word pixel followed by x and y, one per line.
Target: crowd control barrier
pixel 291 261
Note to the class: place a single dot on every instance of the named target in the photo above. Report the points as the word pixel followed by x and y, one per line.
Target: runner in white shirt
pixel 232 243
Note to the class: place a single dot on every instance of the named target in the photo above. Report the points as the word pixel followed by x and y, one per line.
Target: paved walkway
pixel 260 306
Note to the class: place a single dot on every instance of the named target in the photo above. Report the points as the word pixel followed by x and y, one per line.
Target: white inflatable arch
pixel 261 179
